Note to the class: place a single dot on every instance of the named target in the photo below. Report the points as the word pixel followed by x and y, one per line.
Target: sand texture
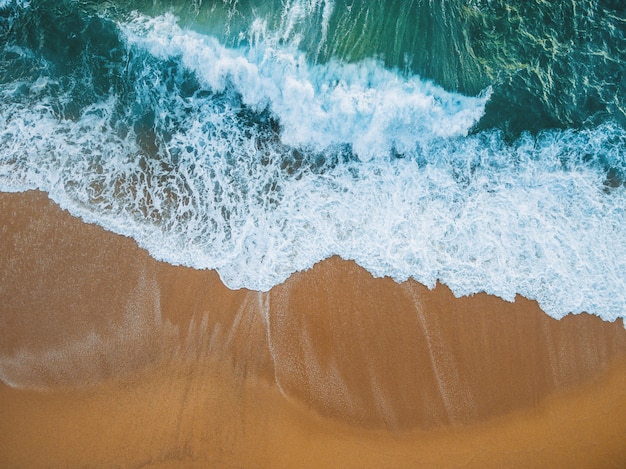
pixel 109 358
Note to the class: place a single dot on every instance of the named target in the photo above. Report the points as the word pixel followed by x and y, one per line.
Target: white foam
pixel 531 218
pixel 18 3
pixel 364 105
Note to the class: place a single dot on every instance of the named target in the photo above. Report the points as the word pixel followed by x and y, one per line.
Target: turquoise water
pixel 479 143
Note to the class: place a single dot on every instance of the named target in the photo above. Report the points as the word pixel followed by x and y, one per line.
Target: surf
pixel 252 158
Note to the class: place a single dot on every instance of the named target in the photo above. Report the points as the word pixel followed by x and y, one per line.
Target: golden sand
pixel 112 359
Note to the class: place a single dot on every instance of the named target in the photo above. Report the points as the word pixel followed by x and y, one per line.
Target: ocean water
pixel 480 143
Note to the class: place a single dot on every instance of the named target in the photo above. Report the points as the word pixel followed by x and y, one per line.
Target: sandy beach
pixel 109 358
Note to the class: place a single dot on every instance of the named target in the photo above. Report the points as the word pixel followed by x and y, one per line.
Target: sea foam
pixel 272 163
pixel 364 105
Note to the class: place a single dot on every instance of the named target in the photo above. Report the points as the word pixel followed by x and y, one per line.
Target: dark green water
pixel 551 64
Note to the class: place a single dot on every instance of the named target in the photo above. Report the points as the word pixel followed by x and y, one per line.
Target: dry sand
pixel 112 359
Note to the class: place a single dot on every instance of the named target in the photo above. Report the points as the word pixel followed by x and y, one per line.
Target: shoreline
pixel 131 361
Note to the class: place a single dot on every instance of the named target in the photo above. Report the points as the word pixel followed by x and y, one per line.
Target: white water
pixel 363 105
pixel 477 214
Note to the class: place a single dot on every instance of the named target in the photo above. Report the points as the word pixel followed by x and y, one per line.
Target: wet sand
pixel 112 359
